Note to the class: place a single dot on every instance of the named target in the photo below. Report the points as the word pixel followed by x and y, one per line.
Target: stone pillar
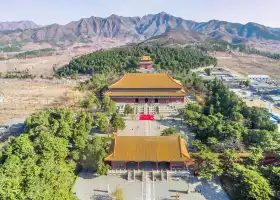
pixel 138 165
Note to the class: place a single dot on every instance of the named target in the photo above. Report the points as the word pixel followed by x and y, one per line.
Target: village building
pixel 260 78
pixel 147 88
pixel 149 152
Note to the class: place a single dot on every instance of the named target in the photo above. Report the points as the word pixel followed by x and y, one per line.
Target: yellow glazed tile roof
pixel 178 93
pixel 149 148
pixel 146 58
pixel 145 80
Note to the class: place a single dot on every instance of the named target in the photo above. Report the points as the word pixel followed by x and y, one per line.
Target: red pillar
pixel 138 165
pixel 157 165
pixel 170 165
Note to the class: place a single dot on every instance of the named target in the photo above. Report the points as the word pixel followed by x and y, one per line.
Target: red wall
pixel 178 165
pixel 123 100
pixel 118 165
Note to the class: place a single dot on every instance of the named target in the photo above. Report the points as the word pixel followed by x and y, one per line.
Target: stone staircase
pixel 149 176
pixel 130 176
pixel 164 175
pixel 145 108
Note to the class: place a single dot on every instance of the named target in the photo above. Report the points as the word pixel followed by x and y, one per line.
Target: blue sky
pixel 45 12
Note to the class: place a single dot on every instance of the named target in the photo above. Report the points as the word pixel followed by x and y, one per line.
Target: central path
pixel 148 191
pixel 148 128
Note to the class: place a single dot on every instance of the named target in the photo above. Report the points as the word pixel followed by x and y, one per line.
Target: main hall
pixel 147 88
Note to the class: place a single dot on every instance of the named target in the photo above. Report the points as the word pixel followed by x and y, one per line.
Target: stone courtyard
pixel 88 187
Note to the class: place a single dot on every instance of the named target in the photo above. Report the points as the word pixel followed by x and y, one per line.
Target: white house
pixel 262 78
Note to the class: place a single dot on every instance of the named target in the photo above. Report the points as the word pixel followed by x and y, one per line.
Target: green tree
pixel 118 194
pixel 108 105
pixel 273 175
pixel 30 163
pixel 207 163
pixel 117 122
pixel 128 109
pixel 252 184
pixel 256 155
pixel 208 71
pixel 247 83
pixel 94 154
pixel 229 158
pixel 90 102
pixel 101 121
pixel 168 131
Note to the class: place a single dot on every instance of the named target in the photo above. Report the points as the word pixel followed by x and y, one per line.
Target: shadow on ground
pixel 210 189
pixel 87 175
pixel 101 197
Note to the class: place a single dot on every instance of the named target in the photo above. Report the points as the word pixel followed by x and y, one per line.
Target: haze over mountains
pixel 21 25
pixel 134 29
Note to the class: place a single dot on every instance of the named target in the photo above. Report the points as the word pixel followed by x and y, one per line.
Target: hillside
pixel 176 37
pixel 127 59
pixel 86 30
pixel 21 25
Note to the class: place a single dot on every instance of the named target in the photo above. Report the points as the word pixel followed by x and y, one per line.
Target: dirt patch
pixel 23 97
pixel 261 104
pixel 37 66
pixel 248 64
pixel 35 46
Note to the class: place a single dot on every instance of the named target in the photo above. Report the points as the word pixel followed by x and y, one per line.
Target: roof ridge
pixel 118 80
pixel 180 148
pixel 115 144
pixel 173 80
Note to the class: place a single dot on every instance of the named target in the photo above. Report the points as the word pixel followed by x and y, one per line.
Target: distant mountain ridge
pixel 137 29
pixel 21 25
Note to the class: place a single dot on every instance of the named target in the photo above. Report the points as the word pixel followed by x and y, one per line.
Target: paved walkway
pixel 89 188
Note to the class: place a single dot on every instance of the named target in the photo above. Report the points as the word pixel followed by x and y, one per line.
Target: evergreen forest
pixel 122 60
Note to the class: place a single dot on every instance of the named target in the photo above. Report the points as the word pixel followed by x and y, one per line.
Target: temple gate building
pixel 146 63
pixel 149 152
pixel 147 88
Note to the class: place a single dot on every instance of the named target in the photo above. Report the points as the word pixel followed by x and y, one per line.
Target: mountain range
pixel 21 25
pixel 86 30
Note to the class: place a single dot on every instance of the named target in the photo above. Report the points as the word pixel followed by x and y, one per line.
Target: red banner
pixel 146 117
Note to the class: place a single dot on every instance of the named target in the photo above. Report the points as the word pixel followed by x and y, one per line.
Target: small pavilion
pixel 149 152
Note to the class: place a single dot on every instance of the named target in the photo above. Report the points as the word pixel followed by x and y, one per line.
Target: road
pixel 202 68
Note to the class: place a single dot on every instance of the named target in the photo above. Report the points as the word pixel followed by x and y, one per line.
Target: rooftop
pixel 149 148
pixel 178 93
pixel 274 97
pixel 146 80
pixel 258 76
pixel 146 58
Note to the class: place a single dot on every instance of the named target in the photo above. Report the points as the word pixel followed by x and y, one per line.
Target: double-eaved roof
pixel 149 148
pixel 146 81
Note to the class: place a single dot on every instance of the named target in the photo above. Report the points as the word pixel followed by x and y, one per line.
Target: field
pixel 22 97
pixel 248 64
pixel 37 66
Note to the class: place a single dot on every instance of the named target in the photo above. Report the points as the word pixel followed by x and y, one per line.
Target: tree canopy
pixel 120 60
pixel 41 163
pixel 168 131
